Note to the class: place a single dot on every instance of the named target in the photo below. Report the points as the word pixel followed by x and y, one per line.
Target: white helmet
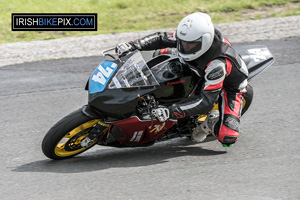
pixel 195 35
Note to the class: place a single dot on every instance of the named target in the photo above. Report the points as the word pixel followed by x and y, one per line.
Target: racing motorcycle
pixel 122 92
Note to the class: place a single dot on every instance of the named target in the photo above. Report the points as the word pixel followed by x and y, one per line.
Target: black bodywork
pixel 176 82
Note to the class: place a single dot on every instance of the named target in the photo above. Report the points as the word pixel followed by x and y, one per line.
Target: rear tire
pixel 63 139
pixel 248 97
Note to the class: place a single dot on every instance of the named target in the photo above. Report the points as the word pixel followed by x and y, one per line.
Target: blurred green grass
pixel 116 16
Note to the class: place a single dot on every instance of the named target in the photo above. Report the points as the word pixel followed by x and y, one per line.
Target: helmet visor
pixel 189 47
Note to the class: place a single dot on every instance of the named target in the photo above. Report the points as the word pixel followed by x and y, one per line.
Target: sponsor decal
pixel 232 122
pixel 54 22
pixel 182 33
pixel 137 136
pixel 158 128
pixel 176 82
pixel 258 55
pixel 179 116
pixel 216 74
pixel 188 23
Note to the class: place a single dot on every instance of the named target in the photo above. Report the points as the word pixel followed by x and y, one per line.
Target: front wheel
pixel 64 138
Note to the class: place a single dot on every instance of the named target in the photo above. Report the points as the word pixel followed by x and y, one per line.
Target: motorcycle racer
pixel 225 75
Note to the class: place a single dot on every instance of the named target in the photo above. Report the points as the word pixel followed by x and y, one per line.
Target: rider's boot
pixel 201 131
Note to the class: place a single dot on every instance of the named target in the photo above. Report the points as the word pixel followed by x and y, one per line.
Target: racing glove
pixel 163 113
pixel 123 48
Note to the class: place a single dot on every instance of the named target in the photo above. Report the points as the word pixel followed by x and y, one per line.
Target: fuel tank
pixel 177 81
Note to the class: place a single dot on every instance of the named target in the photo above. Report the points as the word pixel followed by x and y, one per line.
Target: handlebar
pixel 113 57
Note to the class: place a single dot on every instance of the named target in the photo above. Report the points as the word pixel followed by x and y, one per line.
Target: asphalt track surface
pixel 263 165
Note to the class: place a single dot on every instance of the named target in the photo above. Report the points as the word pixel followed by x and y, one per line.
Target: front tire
pixel 63 139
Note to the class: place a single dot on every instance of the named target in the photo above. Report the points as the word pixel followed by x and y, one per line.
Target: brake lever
pixel 107 54
pixel 103 52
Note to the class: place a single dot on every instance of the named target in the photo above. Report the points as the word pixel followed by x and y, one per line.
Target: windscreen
pixel 133 73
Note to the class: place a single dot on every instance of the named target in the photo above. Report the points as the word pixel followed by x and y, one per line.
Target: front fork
pixel 96 135
pixel 99 130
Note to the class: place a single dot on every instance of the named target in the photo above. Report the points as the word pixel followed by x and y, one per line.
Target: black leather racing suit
pixel 225 78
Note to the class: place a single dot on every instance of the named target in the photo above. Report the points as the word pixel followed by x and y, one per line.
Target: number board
pixel 101 76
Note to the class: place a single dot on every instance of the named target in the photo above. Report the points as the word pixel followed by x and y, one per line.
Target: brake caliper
pixel 95 135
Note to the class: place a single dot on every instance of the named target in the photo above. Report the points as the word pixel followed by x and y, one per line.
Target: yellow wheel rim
pixel 70 144
pixel 244 103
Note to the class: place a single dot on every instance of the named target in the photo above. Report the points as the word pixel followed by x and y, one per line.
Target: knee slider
pixel 229 140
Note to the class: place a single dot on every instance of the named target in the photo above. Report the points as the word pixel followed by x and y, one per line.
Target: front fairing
pixel 133 73
pixel 115 86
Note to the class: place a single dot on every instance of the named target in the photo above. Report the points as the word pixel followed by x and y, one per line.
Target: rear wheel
pixel 64 138
pixel 248 97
